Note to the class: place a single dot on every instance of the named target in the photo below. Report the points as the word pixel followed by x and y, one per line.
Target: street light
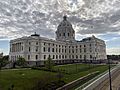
pixel 109 74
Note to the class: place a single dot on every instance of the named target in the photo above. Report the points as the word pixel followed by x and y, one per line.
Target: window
pixel 29 43
pixel 44 43
pixel 65 56
pixel 76 57
pixel 80 46
pixel 62 56
pixel 65 50
pixel 52 49
pixel 72 56
pixel 62 50
pixel 36 57
pixel 60 34
pixel 49 44
pixel 44 49
pixel 49 49
pixel 90 56
pixel 73 51
pixel 53 56
pixel 37 49
pixel 59 56
pixel 22 48
pixel 84 45
pixel 68 34
pixel 44 56
pixel 80 56
pixel 56 56
pixel 36 43
pixel 59 50
pixel 90 45
pixel 63 34
pixel 29 49
pixel 69 51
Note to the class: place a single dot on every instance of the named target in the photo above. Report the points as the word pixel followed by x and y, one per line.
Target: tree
pixel 4 61
pixel 21 62
pixel 49 63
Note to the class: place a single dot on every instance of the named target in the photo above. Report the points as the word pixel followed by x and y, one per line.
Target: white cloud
pixel 23 17
pixel 115 50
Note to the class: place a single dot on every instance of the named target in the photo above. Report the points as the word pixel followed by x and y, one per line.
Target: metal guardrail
pixel 97 77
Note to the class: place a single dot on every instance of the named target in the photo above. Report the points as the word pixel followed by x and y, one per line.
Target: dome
pixel 37 35
pixel 65 23
pixel 65 30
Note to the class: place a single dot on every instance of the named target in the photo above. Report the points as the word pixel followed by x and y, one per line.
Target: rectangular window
pixel 53 56
pixel 52 49
pixel 36 57
pixel 59 50
pixel 28 57
pixel 36 48
pixel 56 50
pixel 49 49
pixel 59 56
pixel 56 56
pixel 44 56
pixel 80 56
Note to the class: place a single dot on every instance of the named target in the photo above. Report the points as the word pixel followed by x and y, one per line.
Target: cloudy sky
pixel 89 17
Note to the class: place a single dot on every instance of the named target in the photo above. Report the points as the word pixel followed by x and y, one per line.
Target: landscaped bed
pixel 29 79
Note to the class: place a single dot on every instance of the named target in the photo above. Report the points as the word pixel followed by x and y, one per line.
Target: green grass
pixel 80 70
pixel 26 79
pixel 22 79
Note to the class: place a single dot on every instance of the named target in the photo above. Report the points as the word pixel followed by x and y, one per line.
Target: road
pixel 115 83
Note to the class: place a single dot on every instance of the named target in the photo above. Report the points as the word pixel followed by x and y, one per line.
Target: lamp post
pixel 109 74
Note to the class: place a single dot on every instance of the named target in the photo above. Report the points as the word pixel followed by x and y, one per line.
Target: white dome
pixel 65 32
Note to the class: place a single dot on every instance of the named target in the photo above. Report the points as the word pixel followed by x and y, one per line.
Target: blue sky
pixel 20 18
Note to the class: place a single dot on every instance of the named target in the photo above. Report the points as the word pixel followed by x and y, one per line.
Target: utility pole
pixel 109 75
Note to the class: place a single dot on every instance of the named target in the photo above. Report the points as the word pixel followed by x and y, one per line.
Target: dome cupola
pixel 65 31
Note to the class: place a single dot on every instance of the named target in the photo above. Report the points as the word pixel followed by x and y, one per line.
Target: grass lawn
pixel 26 79
pixel 79 70
pixel 22 79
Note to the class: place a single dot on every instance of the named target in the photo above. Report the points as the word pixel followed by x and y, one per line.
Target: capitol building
pixel 65 49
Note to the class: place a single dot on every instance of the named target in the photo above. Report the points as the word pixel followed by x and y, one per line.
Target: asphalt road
pixel 115 83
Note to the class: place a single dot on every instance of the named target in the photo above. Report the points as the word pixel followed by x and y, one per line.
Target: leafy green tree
pixel 49 63
pixel 21 62
pixel 4 61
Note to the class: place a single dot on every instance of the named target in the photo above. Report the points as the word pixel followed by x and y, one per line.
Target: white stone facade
pixel 65 47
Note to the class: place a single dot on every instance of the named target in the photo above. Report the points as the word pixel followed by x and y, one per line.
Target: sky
pixel 20 18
